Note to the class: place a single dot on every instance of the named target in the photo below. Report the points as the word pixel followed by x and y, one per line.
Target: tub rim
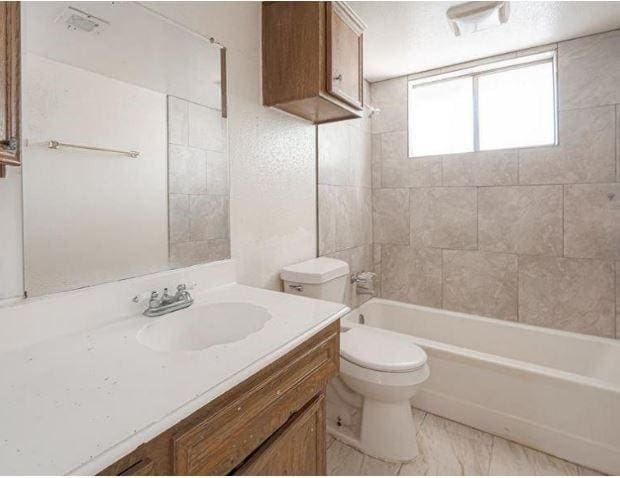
pixel 496 361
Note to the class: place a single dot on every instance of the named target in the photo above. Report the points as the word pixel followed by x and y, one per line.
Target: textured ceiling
pixel 408 37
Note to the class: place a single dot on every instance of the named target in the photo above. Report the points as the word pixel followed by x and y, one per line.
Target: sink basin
pixel 199 327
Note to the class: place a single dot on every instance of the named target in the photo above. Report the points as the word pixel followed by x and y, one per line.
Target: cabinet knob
pixel 338 78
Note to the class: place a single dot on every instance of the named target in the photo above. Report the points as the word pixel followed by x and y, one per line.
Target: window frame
pixel 475 70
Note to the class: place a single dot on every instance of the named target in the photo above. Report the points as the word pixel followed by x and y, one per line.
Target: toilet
pixel 384 368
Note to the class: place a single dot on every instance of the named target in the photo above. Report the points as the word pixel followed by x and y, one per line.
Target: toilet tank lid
pixel 315 271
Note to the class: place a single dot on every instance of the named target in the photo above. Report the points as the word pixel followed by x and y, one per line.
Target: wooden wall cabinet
pixel 312 60
pixel 271 424
pixel 9 85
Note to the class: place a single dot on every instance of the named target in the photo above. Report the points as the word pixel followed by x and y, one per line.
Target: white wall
pixel 273 177
pixel 91 217
pixel 11 271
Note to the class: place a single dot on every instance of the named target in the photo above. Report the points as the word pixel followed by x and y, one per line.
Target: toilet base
pixel 388 430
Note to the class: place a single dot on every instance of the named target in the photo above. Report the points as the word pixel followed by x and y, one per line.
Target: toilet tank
pixel 321 278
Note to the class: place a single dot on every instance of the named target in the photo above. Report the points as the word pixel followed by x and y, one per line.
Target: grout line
pixel 563 221
pixel 491 454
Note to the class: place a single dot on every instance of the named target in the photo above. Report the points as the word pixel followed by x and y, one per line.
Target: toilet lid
pixel 380 351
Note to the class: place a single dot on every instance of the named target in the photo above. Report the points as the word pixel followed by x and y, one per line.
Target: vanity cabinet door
pixel 344 55
pixel 297 449
pixel 9 85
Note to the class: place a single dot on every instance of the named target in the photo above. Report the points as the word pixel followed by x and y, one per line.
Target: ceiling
pixel 408 37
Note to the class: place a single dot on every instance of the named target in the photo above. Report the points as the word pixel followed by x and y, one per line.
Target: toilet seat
pixel 371 349
pixel 387 379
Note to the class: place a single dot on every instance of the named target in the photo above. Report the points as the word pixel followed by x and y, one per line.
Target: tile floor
pixel 449 448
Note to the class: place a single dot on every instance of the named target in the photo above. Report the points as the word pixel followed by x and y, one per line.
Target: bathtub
pixel 555 391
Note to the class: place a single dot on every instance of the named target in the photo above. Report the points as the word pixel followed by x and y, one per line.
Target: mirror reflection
pixel 125 163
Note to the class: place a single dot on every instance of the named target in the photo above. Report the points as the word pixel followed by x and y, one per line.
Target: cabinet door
pixel 344 55
pixel 9 85
pixel 298 448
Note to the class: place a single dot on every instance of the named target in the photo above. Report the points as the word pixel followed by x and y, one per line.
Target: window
pixel 505 104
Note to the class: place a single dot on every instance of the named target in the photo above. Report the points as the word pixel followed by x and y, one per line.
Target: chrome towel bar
pixel 53 144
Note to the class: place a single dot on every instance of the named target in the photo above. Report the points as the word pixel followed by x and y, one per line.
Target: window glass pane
pixel 441 118
pixel 517 107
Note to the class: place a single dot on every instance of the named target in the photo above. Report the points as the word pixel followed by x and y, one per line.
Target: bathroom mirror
pixel 125 157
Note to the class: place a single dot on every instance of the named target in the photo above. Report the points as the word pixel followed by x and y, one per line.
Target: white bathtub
pixel 555 391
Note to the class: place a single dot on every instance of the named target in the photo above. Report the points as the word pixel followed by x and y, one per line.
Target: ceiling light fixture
pixel 472 17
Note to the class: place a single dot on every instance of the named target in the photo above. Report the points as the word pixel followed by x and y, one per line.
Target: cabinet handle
pixel 338 78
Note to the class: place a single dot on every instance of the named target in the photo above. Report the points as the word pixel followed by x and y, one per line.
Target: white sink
pixel 202 326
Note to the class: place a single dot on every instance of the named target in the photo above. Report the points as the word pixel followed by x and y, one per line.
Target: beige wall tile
pixel 359 259
pixel 217 173
pixel 486 168
pixel 414 172
pixel 444 217
pixel 178 218
pixel 589 71
pixel 178 121
pixel 187 170
pixel 586 152
pixel 360 158
pixel 394 145
pixel 391 216
pixel 328 204
pixel 376 160
pixel 334 154
pixel 411 275
pixel 207 128
pixel 208 217
pixel 391 97
pixel 567 294
pixel 388 92
pixel 481 283
pixel 618 300
pixel 618 143
pixel 592 221
pixel 520 219
pixel 185 254
pixel 353 217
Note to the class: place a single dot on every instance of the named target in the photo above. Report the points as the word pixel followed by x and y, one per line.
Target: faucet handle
pixel 185 287
pixel 143 297
pixel 154 300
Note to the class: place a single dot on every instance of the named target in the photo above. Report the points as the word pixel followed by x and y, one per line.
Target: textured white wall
pixel 273 174
pixel 11 274
pixel 91 217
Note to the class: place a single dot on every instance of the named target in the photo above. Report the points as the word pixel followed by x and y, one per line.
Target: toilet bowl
pixel 382 367
pixel 386 370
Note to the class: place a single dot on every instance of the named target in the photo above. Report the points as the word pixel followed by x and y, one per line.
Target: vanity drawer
pixel 221 441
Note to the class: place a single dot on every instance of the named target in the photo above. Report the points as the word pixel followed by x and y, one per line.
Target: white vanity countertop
pixel 77 403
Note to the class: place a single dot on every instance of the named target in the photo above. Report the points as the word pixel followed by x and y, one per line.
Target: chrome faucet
pixel 364 282
pixel 167 303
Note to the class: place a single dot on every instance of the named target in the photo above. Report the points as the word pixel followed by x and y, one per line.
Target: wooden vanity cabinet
pixel 312 60
pixel 272 423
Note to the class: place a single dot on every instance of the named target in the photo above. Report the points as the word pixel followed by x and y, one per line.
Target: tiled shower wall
pixel 344 194
pixel 198 190
pixel 529 235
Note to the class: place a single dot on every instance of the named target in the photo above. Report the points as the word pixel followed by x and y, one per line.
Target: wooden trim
pixel 224 82
pixel 10 85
